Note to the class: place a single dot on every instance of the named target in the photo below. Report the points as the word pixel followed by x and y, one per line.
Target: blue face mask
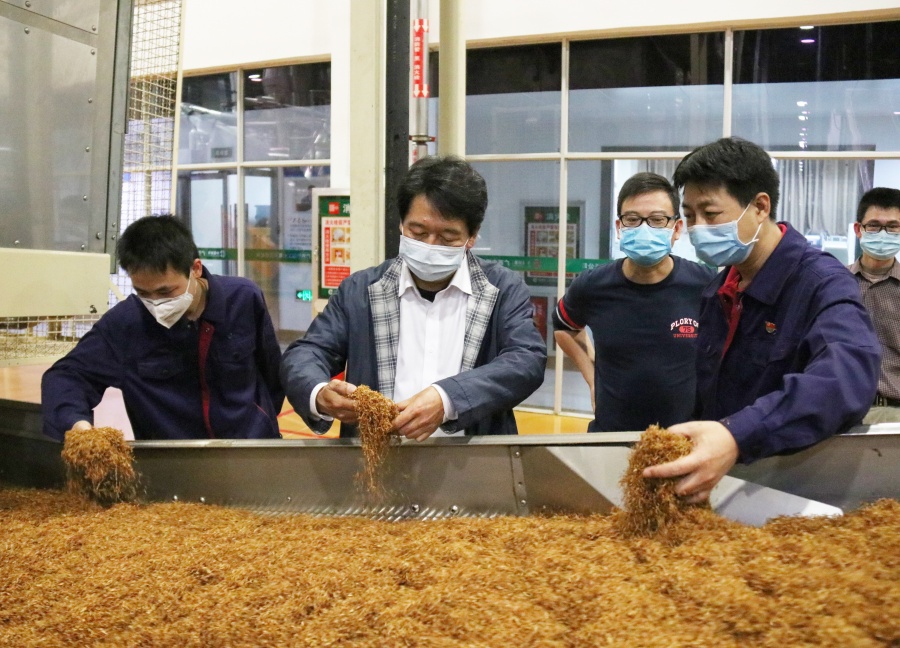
pixel 880 245
pixel 646 245
pixel 720 245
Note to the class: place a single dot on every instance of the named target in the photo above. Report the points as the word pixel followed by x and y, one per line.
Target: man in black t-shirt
pixel 642 311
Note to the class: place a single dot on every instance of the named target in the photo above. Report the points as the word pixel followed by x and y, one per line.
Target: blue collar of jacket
pixel 215 309
pixel 769 282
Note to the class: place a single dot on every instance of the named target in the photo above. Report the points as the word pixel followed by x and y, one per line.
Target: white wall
pixel 229 33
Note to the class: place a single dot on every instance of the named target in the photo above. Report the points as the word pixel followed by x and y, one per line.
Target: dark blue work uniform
pixel 167 396
pixel 804 360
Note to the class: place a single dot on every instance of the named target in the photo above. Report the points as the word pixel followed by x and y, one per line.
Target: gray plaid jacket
pixel 503 362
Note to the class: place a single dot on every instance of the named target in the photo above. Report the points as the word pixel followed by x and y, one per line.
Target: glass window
pixel 208 119
pixel 207 201
pixel 512 98
pixel 818 88
pixel 519 230
pixel 288 112
pixel 656 92
pixel 279 242
pixel 819 198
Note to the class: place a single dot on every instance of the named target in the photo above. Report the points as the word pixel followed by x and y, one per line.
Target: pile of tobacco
pixel 376 412
pixel 74 573
pixel 100 465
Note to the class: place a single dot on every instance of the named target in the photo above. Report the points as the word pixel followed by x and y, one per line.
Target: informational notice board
pixel 332 213
pixel 542 239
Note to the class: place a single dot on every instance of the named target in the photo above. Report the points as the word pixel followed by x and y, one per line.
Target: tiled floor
pixel 23 383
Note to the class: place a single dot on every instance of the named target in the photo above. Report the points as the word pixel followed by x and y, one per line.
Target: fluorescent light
pixel 807 41
pixel 807 26
pixel 802 117
pixel 801 104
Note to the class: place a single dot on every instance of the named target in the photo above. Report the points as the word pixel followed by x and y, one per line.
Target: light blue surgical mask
pixel 646 245
pixel 880 245
pixel 720 245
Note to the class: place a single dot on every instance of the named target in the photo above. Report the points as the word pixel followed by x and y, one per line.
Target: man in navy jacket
pixel 787 355
pixel 448 336
pixel 194 354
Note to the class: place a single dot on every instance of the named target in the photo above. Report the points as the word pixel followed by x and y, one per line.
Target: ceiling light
pixel 807 41
pixel 802 117
pixel 801 104
pixel 807 26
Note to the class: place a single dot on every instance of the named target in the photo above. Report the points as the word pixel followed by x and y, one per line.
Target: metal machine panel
pixel 321 478
pixel 45 138
pixel 846 470
pixel 484 476
pixel 38 283
pixel 83 14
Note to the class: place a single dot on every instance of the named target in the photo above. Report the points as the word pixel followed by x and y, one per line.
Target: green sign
pixel 544 264
pixel 334 206
pixel 334 241
pixel 259 254
pixel 304 295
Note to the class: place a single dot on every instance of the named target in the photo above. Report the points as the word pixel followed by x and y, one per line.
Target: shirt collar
pixel 462 278
pixel 772 276
pixel 857 269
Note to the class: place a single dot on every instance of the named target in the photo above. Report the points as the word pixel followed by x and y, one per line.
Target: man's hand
pixel 715 452
pixel 420 415
pixel 333 400
pixel 82 425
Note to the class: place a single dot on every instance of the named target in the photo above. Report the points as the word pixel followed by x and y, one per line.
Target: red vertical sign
pixel 420 88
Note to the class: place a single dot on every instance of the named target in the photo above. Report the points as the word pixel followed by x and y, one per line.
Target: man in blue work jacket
pixel 786 355
pixel 195 354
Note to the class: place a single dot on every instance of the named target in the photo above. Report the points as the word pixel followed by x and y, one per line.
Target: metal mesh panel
pixel 147 171
pixel 147 165
pixel 27 338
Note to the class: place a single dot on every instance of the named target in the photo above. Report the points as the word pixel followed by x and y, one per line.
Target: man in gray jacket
pixel 447 336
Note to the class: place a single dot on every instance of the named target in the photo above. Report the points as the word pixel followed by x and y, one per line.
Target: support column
pixel 366 133
pixel 396 117
pixel 451 139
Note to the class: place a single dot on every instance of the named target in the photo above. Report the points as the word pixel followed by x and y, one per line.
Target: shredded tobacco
pixel 100 465
pixel 651 507
pixel 73 573
pixel 375 413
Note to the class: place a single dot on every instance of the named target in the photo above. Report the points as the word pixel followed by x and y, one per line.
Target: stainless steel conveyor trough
pixel 485 476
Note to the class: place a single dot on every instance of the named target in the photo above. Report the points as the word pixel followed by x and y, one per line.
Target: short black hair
pixel 644 183
pixel 743 168
pixel 157 243
pixel 452 186
pixel 884 197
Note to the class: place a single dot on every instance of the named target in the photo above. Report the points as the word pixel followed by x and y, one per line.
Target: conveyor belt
pixel 502 475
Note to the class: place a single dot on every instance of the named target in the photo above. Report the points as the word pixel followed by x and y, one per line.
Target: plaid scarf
pixel 385 306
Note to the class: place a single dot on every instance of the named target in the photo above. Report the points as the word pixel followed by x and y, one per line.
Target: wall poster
pixel 542 239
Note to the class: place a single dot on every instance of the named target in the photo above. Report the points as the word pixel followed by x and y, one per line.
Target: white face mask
pixel 169 310
pixel 431 262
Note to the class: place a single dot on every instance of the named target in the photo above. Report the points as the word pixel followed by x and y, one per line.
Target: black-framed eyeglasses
pixel 874 228
pixel 653 220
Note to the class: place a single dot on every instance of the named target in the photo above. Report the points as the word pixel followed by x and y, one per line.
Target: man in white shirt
pixel 447 336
